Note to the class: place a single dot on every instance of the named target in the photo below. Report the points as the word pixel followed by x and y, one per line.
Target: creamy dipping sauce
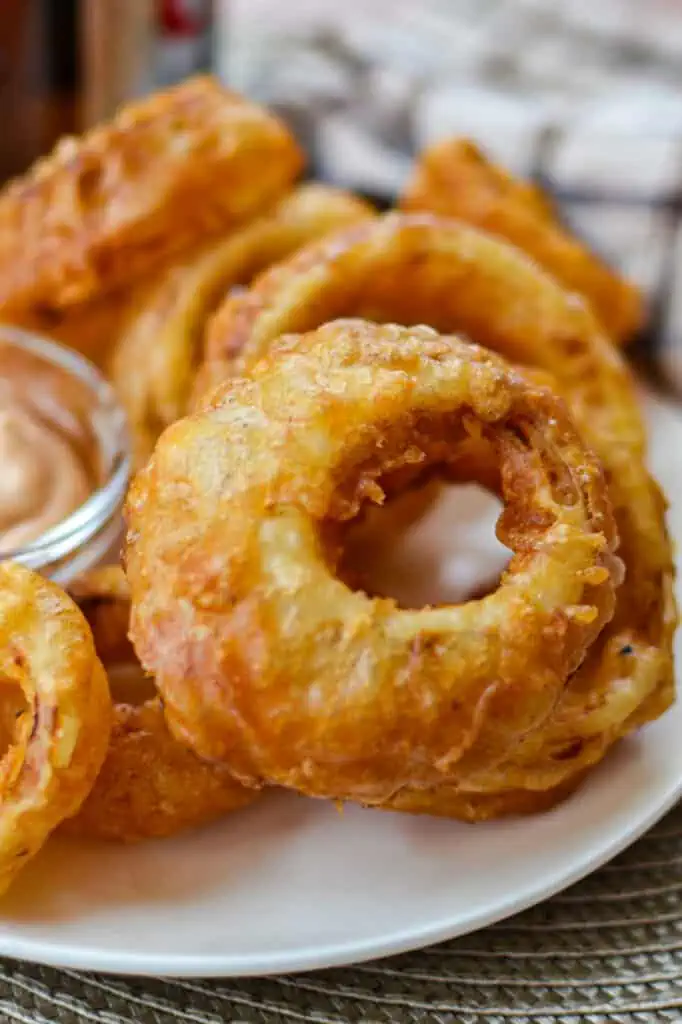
pixel 47 447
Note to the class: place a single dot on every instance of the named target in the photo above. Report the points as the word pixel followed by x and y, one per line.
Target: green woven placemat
pixel 608 949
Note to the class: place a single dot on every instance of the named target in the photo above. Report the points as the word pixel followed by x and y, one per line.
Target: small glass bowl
pixel 92 531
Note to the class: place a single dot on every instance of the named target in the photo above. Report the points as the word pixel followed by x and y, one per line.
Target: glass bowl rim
pixel 85 521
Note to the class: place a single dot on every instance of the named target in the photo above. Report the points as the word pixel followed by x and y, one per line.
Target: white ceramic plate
pixel 291 884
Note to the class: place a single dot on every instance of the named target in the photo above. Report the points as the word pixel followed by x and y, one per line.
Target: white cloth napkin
pixel 584 96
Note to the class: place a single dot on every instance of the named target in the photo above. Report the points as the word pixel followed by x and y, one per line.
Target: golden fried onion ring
pixel 416 268
pixel 156 356
pixel 112 205
pixel 149 785
pixel 266 660
pixel 454 179
pixel 61 732
pixel 89 228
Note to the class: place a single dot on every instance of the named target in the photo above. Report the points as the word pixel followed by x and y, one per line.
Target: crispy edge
pixel 61 734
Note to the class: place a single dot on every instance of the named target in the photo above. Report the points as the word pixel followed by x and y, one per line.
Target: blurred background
pixel 583 95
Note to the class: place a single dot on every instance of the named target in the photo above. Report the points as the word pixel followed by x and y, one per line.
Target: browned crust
pixel 150 786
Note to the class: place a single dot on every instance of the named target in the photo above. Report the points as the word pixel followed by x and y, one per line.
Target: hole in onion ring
pixel 129 684
pixel 448 553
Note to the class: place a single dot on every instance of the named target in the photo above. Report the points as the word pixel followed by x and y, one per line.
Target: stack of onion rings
pixel 60 733
pixel 149 785
pixel 420 268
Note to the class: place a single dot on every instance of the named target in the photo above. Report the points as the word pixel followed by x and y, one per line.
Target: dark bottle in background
pixel 40 79
pixel 67 64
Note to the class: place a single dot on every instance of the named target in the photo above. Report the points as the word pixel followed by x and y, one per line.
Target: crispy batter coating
pixel 454 179
pixel 107 208
pixel 267 660
pixel 417 268
pixel 149 785
pixel 156 356
pixel 61 730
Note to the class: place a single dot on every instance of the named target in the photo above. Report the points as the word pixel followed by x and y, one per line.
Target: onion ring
pixel 156 356
pixel 266 660
pixel 104 209
pixel 416 268
pixel 60 735
pixel 149 786
pixel 454 179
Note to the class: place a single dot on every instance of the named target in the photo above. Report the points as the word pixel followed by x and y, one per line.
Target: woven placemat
pixel 606 950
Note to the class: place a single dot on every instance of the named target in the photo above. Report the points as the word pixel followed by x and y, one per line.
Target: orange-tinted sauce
pixel 47 447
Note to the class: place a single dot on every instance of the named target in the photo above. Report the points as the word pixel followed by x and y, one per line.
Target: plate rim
pixel 74 957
